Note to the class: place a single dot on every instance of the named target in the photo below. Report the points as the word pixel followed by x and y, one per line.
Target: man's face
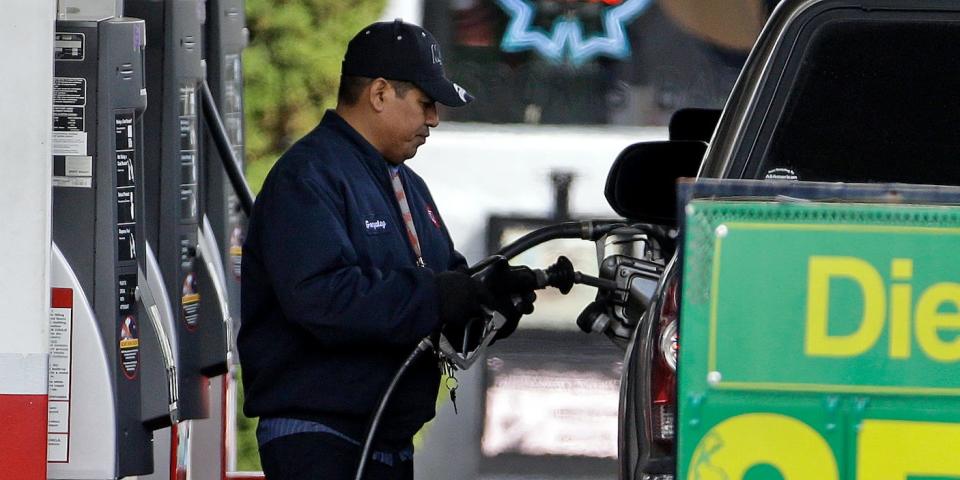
pixel 406 123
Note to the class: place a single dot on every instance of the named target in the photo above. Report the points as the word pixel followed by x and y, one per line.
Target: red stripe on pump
pixel 23 444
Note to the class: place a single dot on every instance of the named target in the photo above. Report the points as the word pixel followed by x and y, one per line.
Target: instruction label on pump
pixel 59 375
pixel 72 165
pixel 125 145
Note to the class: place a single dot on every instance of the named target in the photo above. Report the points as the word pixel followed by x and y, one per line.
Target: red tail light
pixel 664 374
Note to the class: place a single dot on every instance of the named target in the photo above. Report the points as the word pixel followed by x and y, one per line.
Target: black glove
pixel 513 293
pixel 512 308
pixel 502 279
pixel 460 300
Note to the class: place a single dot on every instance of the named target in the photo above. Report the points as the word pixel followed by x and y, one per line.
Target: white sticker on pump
pixel 78 166
pixel 57 447
pixel 70 143
pixel 59 374
pixel 77 182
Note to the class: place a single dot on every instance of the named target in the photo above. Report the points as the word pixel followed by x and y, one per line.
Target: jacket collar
pixel 333 120
pixel 371 157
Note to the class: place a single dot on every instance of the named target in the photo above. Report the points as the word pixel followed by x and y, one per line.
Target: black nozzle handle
pixel 230 163
pixel 562 276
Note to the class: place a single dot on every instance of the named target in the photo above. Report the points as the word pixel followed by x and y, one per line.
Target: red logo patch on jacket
pixel 433 216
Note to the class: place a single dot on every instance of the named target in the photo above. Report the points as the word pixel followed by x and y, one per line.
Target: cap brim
pixel 446 92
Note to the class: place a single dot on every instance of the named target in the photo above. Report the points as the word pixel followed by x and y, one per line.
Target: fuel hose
pixel 229 161
pixel 425 345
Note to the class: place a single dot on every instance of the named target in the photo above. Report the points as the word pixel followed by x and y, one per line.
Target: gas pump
pixel 106 333
pixel 173 165
pixel 225 37
pixel 188 263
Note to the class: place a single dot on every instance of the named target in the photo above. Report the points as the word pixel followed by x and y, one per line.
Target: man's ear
pixel 377 94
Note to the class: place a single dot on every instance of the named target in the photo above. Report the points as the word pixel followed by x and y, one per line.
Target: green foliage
pixel 248 456
pixel 292 69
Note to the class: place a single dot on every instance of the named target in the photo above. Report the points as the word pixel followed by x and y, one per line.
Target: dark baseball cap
pixel 402 51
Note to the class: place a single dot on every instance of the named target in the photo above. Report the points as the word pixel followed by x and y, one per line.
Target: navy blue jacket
pixel 332 299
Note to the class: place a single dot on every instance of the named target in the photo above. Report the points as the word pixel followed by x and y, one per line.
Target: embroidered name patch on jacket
pixel 374 225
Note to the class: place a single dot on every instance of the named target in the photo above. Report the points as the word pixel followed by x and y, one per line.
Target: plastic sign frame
pixel 818 329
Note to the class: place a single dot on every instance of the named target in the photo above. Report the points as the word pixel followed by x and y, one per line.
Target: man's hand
pixel 460 297
pixel 461 301
pixel 513 293
pixel 512 308
pixel 508 290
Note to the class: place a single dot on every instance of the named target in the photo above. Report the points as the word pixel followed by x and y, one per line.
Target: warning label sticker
pixel 59 374
pixel 68 46
pixel 129 346
pixel 236 250
pixel 129 334
pixel 69 91
pixel 190 301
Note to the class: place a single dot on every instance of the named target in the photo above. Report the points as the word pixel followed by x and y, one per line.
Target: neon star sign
pixel 566 37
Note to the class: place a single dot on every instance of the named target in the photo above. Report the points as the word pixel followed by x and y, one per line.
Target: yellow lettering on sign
pixel 930 321
pixel 818 341
pixel 900 300
pixel 930 317
pixel 739 443
pixel 898 450
pixel 886 449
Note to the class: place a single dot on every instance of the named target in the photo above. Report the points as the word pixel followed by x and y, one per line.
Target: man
pixel 347 266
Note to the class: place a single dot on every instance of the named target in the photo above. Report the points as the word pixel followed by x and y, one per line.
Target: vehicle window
pixel 872 101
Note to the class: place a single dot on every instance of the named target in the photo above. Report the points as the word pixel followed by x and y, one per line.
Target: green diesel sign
pixel 814 336
pixel 824 305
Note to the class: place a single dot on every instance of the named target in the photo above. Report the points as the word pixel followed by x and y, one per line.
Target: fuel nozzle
pixel 562 276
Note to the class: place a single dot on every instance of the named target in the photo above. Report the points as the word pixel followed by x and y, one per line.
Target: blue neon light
pixel 567 34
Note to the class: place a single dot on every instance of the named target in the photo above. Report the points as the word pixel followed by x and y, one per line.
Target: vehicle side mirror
pixel 694 124
pixel 642 183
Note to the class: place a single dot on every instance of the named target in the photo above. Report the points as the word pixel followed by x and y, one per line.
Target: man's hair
pixel 352 86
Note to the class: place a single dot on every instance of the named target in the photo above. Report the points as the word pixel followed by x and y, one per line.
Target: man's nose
pixel 433 118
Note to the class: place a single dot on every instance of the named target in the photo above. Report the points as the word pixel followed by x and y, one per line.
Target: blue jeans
pixel 322 456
